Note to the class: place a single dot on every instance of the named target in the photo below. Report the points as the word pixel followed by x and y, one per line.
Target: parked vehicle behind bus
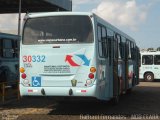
pixel 69 54
pixel 9 58
pixel 150 65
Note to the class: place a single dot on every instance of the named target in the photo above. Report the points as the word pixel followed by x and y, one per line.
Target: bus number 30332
pixel 34 58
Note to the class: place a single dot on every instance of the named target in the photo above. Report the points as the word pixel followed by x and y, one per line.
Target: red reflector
pixel 91 75
pixel 83 90
pixel 23 75
pixel 30 90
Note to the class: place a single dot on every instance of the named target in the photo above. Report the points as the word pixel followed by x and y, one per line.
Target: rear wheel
pixel 148 77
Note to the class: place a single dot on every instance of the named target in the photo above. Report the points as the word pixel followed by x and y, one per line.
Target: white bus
pixel 150 65
pixel 70 54
pixel 9 58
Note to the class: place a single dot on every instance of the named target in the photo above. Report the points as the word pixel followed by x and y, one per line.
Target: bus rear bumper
pixel 58 91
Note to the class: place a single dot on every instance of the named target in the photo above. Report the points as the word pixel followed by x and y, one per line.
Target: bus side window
pixel 128 45
pixel 130 50
pixel 157 59
pixel 99 42
pixel 119 46
pixel 110 38
pixel 7 48
pixel 147 59
pixel 133 53
pixel 102 41
pixel 123 47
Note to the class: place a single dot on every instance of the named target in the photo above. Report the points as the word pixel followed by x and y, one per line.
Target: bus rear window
pixel 58 30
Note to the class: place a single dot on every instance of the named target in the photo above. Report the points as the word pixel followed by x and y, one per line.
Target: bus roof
pixel 150 52
pixel 9 36
pixel 46 14
pixel 114 28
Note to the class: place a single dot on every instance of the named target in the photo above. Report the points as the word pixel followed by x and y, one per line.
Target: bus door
pixel 135 64
pixel 123 63
pixel 111 42
pixel 103 77
pixel 131 65
pixel 121 77
pixel 126 65
pixel 137 61
pixel 116 82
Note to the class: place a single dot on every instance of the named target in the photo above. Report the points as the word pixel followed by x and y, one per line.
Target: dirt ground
pixel 142 103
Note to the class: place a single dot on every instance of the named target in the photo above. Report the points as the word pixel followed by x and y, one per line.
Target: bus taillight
pixel 23 75
pixel 92 69
pixel 88 82
pixel 91 75
pixel 22 70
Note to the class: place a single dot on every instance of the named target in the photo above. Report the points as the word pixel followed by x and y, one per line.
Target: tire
pixel 149 77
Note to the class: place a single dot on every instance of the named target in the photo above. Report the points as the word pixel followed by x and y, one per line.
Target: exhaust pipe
pixel 70 92
pixel 43 91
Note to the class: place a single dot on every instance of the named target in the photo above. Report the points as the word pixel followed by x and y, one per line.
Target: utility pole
pixel 19 18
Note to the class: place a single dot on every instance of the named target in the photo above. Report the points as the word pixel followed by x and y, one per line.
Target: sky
pixel 140 19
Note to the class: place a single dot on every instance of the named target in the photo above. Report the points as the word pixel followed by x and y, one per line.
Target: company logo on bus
pixel 75 63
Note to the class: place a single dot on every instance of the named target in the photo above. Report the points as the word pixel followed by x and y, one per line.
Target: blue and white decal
pixel 86 61
pixel 36 81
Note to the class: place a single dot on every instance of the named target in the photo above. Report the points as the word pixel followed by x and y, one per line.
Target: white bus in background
pixel 150 65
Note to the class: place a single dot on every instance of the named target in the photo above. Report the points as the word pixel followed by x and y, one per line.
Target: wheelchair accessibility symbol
pixel 36 81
